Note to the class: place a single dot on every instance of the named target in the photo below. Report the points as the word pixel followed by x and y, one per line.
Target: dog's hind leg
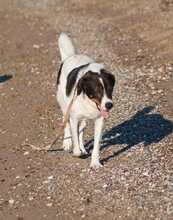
pixel 81 131
pixel 67 142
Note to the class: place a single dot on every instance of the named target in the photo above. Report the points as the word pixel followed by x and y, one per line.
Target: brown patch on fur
pixel 91 86
pixel 109 82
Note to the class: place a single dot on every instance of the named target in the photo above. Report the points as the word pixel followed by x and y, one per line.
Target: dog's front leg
pixel 81 131
pixel 75 136
pixel 97 137
pixel 67 142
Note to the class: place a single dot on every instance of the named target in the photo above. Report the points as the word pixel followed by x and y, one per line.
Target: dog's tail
pixel 65 46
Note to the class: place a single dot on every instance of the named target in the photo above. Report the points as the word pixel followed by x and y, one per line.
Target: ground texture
pixel 136 181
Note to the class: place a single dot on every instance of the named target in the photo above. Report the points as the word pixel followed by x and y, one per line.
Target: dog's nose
pixel 108 105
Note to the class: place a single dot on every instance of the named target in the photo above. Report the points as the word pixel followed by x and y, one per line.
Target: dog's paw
pixel 84 152
pixel 67 146
pixel 95 165
pixel 77 153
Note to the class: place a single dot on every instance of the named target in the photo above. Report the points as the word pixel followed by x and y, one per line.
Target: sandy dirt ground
pixel 136 181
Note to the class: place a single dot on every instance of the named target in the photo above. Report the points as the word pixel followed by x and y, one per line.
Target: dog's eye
pixel 91 96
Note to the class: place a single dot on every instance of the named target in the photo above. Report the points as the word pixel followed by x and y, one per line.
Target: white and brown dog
pixel 81 76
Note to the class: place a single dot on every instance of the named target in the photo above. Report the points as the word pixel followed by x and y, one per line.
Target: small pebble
pixel 35 46
pixel 26 153
pixel 30 198
pixel 50 177
pixel 11 201
pixel 105 186
pixel 49 204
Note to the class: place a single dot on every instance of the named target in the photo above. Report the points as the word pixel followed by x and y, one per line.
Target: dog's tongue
pixel 104 113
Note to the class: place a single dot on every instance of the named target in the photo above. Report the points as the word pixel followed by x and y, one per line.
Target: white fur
pixel 83 108
pixel 65 46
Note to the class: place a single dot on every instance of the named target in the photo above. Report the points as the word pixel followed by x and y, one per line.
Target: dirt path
pixel 136 181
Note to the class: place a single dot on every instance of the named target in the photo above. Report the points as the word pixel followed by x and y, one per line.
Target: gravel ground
pixel 136 181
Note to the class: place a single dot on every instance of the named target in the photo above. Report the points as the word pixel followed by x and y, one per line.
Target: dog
pixel 87 88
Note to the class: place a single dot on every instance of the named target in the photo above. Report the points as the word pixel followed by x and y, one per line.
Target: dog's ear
pixel 85 84
pixel 109 82
pixel 80 86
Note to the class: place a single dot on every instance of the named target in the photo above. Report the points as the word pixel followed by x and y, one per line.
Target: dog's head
pixel 98 88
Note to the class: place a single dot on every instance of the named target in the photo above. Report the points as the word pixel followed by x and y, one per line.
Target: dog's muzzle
pixel 103 112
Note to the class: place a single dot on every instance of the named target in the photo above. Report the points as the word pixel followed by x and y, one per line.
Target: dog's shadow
pixel 5 78
pixel 144 128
